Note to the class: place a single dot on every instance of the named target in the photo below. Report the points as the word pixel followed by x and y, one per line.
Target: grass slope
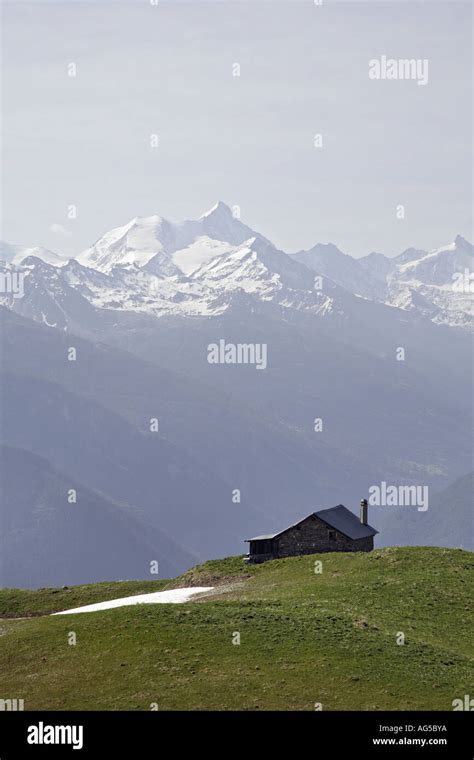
pixel 20 602
pixel 305 637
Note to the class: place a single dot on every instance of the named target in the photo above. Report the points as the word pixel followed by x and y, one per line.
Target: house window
pixel 332 535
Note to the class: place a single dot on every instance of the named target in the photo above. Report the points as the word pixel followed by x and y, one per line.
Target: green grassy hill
pixel 305 638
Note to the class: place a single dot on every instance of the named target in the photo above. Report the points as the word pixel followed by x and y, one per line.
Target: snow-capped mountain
pixel 328 260
pixel 189 244
pixel 16 254
pixel 434 284
pixel 191 268
pixel 438 283
pixel 409 254
pixel 143 305
pixel 440 266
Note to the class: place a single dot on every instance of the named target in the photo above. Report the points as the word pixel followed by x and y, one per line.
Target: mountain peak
pixel 219 210
pixel 327 249
pixel 462 243
pixel 16 254
pixel 152 219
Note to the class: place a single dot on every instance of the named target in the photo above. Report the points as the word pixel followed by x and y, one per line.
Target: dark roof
pixel 345 521
pixel 340 518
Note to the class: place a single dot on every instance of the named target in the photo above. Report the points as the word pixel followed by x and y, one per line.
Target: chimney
pixel 363 511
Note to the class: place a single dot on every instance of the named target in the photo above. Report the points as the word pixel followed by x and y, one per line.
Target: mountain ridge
pixel 155 266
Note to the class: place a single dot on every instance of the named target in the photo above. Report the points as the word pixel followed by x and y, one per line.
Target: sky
pixel 79 146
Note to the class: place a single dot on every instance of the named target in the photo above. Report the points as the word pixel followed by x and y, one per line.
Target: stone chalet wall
pixel 312 537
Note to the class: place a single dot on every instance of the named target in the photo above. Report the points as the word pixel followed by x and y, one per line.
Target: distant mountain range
pixel 44 538
pixel 153 266
pixel 142 305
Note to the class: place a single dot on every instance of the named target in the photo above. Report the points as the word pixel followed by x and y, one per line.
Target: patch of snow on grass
pixel 174 596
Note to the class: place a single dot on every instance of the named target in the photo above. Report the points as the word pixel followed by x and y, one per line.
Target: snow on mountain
pixel 437 283
pixel 241 268
pixel 161 265
pixel 16 254
pixel 260 270
pixel 409 299
pixel 440 266
pixel 198 267
pixel 328 260
pixel 47 296
pixel 410 254
pixel 134 243
pixel 142 289
pixel 190 242
pixel 254 267
pixel 330 351
pixel 202 250
pixel 219 223
pixel 442 305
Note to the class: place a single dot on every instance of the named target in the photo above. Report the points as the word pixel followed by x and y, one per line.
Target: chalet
pixel 330 530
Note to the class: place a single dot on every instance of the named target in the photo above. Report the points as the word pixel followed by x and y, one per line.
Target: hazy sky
pixel 248 140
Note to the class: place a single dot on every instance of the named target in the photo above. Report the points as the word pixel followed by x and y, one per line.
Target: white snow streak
pixel 174 596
